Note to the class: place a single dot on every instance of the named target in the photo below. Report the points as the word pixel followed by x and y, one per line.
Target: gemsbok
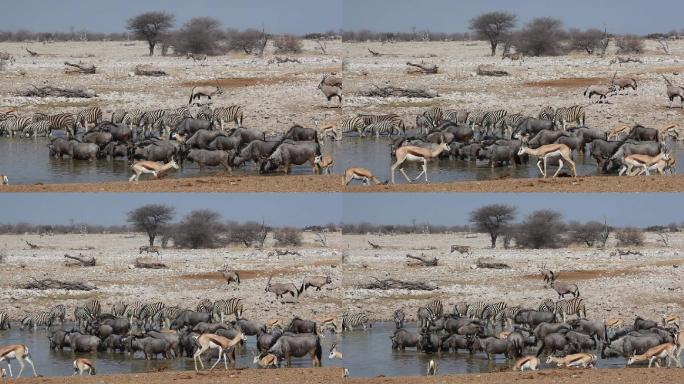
pixel 666 351
pixel 84 365
pixel 526 362
pixel 224 345
pixel 416 154
pixel 19 352
pixel 152 167
pixel 561 151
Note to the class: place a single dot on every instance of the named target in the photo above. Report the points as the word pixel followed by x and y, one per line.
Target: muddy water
pixel 26 161
pixel 366 353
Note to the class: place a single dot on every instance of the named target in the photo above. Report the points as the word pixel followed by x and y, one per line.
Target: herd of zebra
pixel 525 334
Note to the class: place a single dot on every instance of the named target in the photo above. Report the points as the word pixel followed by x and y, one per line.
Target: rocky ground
pixel 192 275
pixel 274 96
pixel 613 286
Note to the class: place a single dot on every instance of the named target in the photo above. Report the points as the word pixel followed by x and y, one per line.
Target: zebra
pixel 370 119
pixel 423 124
pixel 182 111
pixel 119 308
pixel 168 314
pixel 574 306
pixel 425 317
pixel 205 305
pixel 476 309
pixel 58 312
pixel 436 307
pixel 351 320
pixel 133 310
pixel 89 115
pixel 231 113
pixel 94 308
pixel 352 124
pixel 82 317
pixel 204 113
pixel 399 316
pixel 382 127
pixel 170 121
pixel 118 116
pixel 547 305
pixel 507 315
pixel 133 117
pixel 63 121
pixel 4 321
pixel 460 309
pixel 475 119
pixel 491 119
pixel 492 311
pixel 14 125
pixel 575 113
pixel 37 319
pixel 435 115
pixel 547 113
pixel 223 308
pixel 40 128
pixel 151 119
pixel 38 117
pixel 511 122
pixel 458 116
pixel 151 313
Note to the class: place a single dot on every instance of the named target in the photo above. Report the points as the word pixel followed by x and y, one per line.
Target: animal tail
pixel 238 278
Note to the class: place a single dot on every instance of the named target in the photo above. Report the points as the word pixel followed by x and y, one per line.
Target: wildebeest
pixel 205 157
pixel 83 151
pixel 287 347
pixel 83 343
pixel 202 138
pixel 298 325
pixel 641 133
pixel 403 339
pixel 491 346
pixel 190 318
pixel 189 126
pixel 149 346
pixel 533 318
pixel 288 154
pixel 299 133
pixel 531 126
pixel 257 151
pixel 101 139
pixel 59 147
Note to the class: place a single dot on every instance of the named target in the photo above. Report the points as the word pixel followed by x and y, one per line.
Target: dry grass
pixel 238 82
pixel 575 82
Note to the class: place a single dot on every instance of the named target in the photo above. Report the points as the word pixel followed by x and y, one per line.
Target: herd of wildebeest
pixel 155 141
pixel 559 329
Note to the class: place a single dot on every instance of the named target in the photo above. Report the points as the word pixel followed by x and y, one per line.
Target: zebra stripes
pixel 547 113
pixel 507 315
pixel 547 305
pixel 458 116
pixel 205 113
pixel 152 119
pixel 82 317
pixel 118 116
pixel 435 115
pixel 13 125
pixel 386 127
pixel 511 122
pixel 476 309
pixel 574 306
pixel 37 319
pixel 168 314
pixel 223 308
pixel 460 309
pixel 205 305
pixel 492 311
pixel 491 119
pixel 423 124
pixel 352 124
pixel 4 320
pixel 133 310
pixel 58 312
pixel 352 320
pixel 563 115
pixel 425 317
pixel 40 128
pixel 371 119
pixel 399 316
pixel 119 308
pixel 89 115
pixel 228 114
pixel 63 121
pixel 151 313
pixel 133 117
pixel 436 307
pixel 475 119
pixel 94 308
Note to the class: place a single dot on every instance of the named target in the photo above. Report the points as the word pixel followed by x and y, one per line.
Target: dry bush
pixel 588 41
pixel 198 229
pixel 630 44
pixel 541 229
pixel 249 41
pixel 630 236
pixel 542 36
pixel 586 233
pixel 288 236
pixel 288 44
pixel 201 35
pixel 249 234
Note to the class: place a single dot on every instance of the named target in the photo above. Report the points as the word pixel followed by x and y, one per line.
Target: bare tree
pixel 630 44
pixel 630 236
pixel 150 219
pixel 587 233
pixel 664 46
pixel 322 46
pixel 288 44
pixel 288 236
pixel 198 229
pixel 542 36
pixel 664 238
pixel 493 219
pixel 151 27
pixel 541 229
pixel 322 239
pixel 249 41
pixel 492 26
pixel 249 233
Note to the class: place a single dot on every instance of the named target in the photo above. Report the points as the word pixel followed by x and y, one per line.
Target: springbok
pixel 662 132
pixel 575 360
pixel 673 320
pixel 661 166
pixel 19 352
pixel 270 360
pixel 665 351
pixel 152 167
pixel 526 362
pixel 3 373
pixel 4 180
pixel 432 368
pixel 324 164
pixel 209 341
pixel 334 353
pixel 416 154
pixel 616 131
pixel 357 173
pixel 82 365
pixel 641 162
pixel 614 322
pixel 550 151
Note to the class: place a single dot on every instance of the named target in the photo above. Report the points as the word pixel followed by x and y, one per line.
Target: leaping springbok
pixel 550 151
pixel 83 365
pixel 209 341
pixel 357 173
pixel 152 167
pixel 19 352
pixel 665 351
pixel 415 154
